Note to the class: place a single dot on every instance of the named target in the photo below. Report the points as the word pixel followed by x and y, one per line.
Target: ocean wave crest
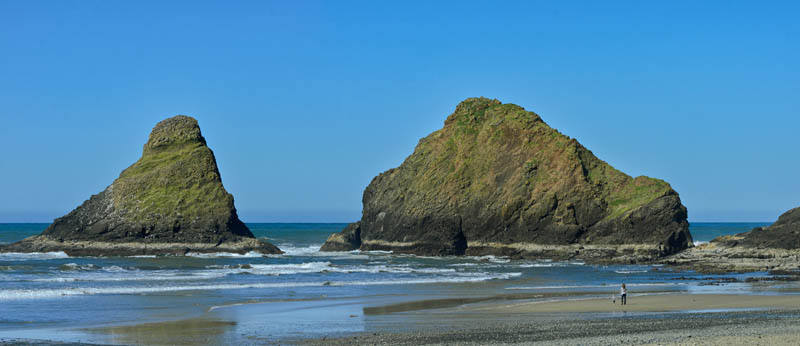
pixel 32 256
pixel 21 294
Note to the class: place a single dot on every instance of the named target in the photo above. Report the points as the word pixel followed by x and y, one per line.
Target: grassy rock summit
pixel 496 179
pixel 171 201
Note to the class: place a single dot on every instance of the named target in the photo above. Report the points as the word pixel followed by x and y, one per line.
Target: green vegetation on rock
pixel 496 173
pixel 172 195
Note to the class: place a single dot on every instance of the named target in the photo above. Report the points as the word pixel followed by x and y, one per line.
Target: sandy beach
pixel 648 319
pixel 655 319
pixel 654 303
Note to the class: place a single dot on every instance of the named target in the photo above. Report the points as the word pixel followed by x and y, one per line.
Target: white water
pixel 51 293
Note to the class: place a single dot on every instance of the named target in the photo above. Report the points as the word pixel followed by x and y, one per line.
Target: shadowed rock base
pixel 720 258
pixel 240 245
pixel 775 248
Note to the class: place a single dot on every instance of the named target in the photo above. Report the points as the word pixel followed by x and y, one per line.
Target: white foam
pixel 464 265
pixel 92 273
pixel 19 256
pixel 378 252
pixel 54 293
pixel 75 266
pixel 699 242
pixel 31 256
pixel 318 267
pixel 286 269
pixel 225 254
pixel 490 258
pixel 290 250
pixel 536 265
pixel 118 274
pixel 630 271
pixel 313 251
pixel 60 279
pixel 118 269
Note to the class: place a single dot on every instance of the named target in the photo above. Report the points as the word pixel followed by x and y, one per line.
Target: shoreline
pixel 649 318
pixel 778 327
pixel 654 302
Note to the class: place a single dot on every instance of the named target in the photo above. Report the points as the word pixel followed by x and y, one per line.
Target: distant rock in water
pixel 775 248
pixel 783 234
pixel 498 180
pixel 171 201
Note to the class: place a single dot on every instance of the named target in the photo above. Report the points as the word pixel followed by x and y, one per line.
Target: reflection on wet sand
pixel 196 331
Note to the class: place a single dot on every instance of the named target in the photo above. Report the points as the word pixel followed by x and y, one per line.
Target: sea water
pixel 52 290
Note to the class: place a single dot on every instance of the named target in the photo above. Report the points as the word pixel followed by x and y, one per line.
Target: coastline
pixel 309 297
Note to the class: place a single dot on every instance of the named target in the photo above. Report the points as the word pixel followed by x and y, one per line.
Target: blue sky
pixel 304 102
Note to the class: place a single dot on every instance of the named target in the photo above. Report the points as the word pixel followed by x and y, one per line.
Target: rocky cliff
pixel 783 234
pixel 496 179
pixel 171 201
pixel 774 248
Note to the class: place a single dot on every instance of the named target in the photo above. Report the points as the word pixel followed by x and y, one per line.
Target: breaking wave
pixel 54 293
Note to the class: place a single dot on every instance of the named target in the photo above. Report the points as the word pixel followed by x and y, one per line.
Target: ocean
pixel 302 293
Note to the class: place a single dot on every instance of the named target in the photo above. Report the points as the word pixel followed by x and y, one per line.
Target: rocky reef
pixel 171 201
pixel 497 180
pixel 774 248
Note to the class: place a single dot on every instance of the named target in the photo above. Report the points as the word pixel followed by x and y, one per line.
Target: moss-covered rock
pixel 171 201
pixel 496 179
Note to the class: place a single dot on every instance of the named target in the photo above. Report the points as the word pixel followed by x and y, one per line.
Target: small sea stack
pixel 170 202
pixel 497 180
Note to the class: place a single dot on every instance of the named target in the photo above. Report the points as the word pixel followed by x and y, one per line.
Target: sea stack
pixel 170 202
pixel 497 180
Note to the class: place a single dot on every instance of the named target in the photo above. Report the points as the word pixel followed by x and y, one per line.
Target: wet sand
pixel 195 331
pixel 652 319
pixel 775 327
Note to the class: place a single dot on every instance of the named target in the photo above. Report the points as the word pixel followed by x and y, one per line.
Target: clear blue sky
pixel 304 102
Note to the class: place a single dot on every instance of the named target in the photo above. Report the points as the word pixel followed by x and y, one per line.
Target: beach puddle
pixel 182 332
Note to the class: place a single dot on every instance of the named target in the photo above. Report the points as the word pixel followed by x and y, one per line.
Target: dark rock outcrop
pixel 497 180
pixel 783 234
pixel 346 240
pixel 773 248
pixel 171 201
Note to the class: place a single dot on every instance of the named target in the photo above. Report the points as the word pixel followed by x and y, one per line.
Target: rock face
pixel 783 234
pixel 772 248
pixel 498 180
pixel 171 201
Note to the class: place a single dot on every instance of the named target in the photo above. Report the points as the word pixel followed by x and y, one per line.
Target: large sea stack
pixel 171 201
pixel 498 180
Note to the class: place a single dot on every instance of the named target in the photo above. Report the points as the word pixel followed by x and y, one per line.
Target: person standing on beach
pixel 623 295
